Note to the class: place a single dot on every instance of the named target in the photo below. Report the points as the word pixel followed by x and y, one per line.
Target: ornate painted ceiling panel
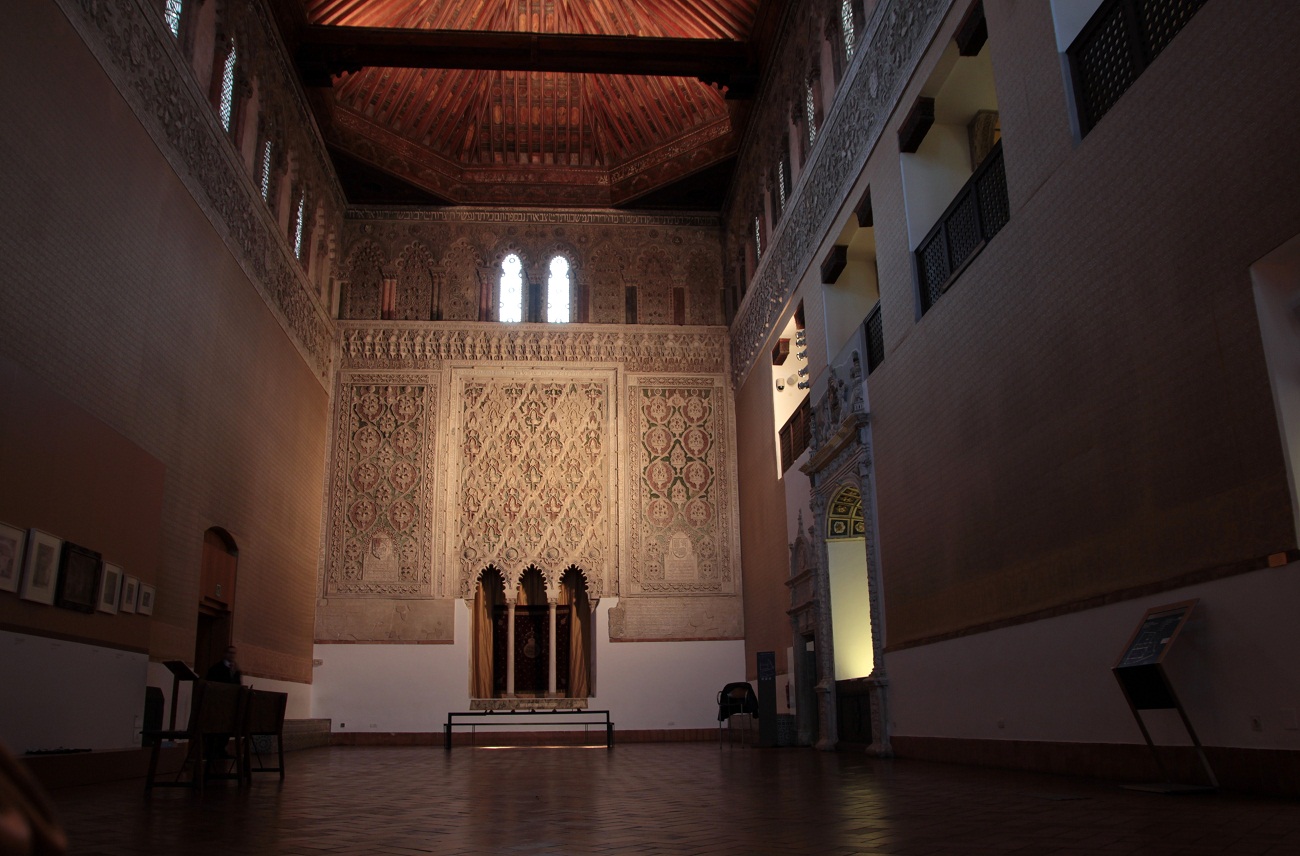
pixel 527 136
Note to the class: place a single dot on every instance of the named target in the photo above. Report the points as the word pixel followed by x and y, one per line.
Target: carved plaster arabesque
pixel 382 482
pixel 681 524
pixel 130 40
pixel 534 470
pixel 884 56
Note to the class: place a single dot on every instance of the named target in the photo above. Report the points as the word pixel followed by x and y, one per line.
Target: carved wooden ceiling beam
pixel 324 51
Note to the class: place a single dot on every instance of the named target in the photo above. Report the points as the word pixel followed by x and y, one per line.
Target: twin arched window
pixel 513 298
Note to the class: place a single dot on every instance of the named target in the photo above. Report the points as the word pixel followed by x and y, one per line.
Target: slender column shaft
pixel 510 650
pixel 550 665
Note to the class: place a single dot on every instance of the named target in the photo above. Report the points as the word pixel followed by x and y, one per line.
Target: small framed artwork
pixel 11 556
pixel 130 586
pixel 110 588
pixel 40 567
pixel 78 578
pixel 145 604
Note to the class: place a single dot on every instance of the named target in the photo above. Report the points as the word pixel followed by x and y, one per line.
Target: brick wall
pixel 120 297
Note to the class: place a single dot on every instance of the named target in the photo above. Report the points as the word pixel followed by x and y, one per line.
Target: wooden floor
pixel 692 798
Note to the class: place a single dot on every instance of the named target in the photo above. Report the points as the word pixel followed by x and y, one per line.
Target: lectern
pixel 180 672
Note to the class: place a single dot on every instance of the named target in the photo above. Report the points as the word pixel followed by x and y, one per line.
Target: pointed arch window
pixel 510 303
pixel 227 104
pixel 172 15
pixel 558 291
pixel 758 240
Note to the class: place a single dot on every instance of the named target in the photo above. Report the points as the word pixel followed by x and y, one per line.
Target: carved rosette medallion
pixel 534 474
pixel 381 538
pixel 681 516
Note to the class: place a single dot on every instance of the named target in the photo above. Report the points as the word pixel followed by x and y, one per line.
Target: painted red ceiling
pixel 532 137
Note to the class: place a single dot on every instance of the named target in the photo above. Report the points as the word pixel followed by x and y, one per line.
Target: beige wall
pixel 120 297
pixel 1087 411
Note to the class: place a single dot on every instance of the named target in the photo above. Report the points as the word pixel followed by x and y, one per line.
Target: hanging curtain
pixel 573 594
pixel 480 677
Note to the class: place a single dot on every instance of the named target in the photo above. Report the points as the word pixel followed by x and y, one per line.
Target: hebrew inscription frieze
pixel 381 538
pixel 395 345
pixel 534 474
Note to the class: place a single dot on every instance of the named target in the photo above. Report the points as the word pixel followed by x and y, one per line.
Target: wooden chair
pixel 263 718
pixel 215 709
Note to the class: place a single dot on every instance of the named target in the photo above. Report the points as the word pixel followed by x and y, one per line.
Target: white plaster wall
pixel 410 688
pixel 69 695
pixel 1051 679
pixel 298 706
pixel 1276 279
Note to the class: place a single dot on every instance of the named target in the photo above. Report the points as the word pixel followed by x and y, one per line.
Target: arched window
pixel 558 291
pixel 846 26
pixel 266 171
pixel 510 304
pixel 758 240
pixel 172 15
pixel 810 109
pixel 227 105
pixel 297 228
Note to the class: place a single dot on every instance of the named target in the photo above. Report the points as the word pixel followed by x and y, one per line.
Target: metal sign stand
pixel 1141 675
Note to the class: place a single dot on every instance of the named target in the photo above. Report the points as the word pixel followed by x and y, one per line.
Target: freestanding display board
pixel 1141 675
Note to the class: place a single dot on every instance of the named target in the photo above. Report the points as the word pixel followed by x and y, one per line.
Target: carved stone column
pixel 510 648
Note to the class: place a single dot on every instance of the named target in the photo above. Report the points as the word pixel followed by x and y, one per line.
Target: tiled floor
pixel 692 798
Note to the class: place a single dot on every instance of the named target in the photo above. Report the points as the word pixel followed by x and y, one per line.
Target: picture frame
pixel 110 588
pixel 12 542
pixel 79 569
pixel 130 588
pixel 144 605
pixel 40 567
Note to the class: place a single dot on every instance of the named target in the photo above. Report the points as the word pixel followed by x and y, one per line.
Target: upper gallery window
pixel 558 291
pixel 228 90
pixel 266 171
pixel 510 304
pixel 172 15
pixel 846 25
pixel 297 229
pixel 810 109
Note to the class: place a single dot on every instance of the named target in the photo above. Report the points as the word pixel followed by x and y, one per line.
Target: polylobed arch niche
pixel 531 640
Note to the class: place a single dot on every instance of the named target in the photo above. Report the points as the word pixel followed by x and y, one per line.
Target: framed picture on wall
pixel 78 578
pixel 110 588
pixel 40 567
pixel 11 556
pixel 130 586
pixel 144 605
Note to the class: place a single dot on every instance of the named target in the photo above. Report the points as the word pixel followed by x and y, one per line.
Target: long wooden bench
pixel 493 718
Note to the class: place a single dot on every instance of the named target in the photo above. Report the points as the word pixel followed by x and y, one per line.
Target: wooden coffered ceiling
pixel 575 103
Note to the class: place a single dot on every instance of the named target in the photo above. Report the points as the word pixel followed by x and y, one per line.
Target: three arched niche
pixel 534 645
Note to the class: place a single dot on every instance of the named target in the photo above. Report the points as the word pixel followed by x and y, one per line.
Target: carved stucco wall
pixel 459 445
pixel 442 259
pixel 153 75
pixel 893 38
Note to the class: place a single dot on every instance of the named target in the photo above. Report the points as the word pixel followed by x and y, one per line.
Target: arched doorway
pixel 217 574
pixel 851 627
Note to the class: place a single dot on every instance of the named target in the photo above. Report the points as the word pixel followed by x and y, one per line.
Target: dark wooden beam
pixel 325 51
pixel 834 263
pixel 916 125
